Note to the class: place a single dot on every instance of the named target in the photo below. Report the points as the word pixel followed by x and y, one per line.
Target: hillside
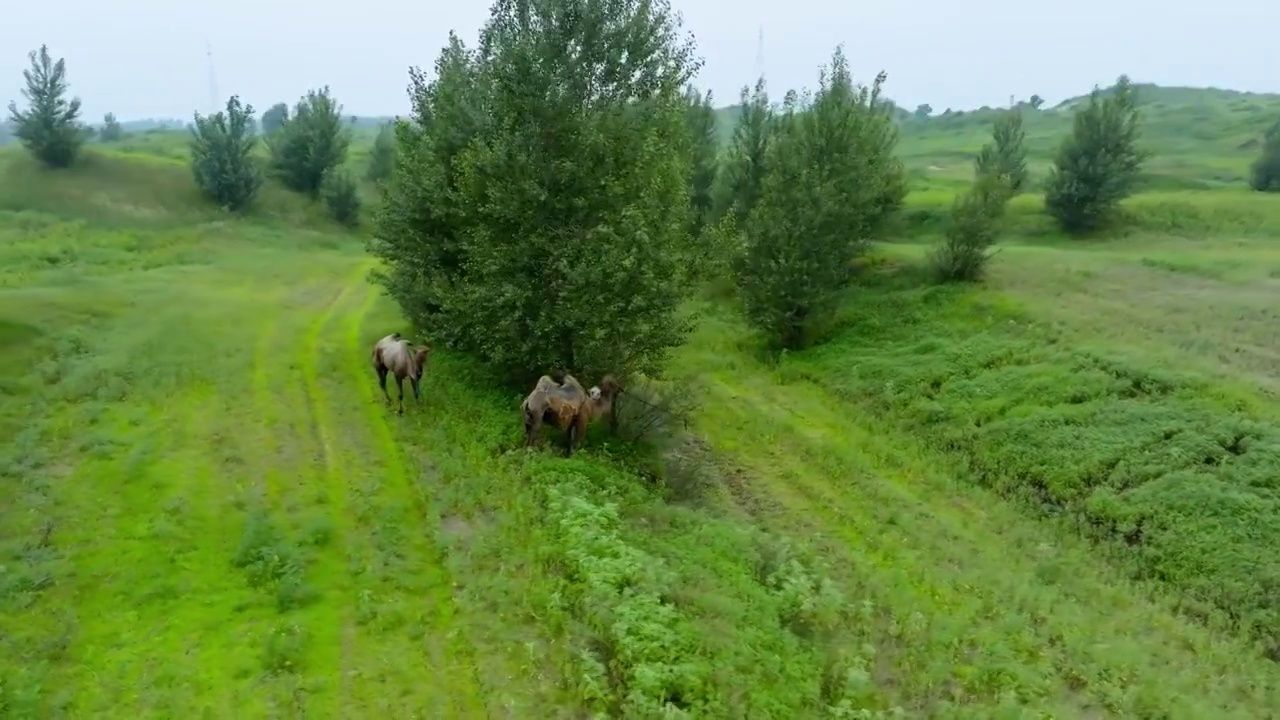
pixel 1200 138
pixel 1052 494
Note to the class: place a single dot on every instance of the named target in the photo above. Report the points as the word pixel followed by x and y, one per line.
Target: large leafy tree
pixel 700 119
pixel 50 127
pixel 382 160
pixel 539 209
pixel 832 182
pixel 310 143
pixel 1097 165
pixel 274 118
pixel 745 162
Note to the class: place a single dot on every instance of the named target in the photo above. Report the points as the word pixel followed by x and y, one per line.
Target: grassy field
pixel 1054 495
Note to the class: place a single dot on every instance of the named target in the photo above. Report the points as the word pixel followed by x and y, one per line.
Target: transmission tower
pixel 213 79
pixel 760 53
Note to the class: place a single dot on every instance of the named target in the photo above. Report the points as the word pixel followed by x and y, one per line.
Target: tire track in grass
pixel 332 648
pixel 449 659
pixel 1008 605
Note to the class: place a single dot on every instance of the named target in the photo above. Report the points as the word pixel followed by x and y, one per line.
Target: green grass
pixel 1052 495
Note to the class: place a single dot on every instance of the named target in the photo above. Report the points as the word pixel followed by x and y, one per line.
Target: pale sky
pixel 146 58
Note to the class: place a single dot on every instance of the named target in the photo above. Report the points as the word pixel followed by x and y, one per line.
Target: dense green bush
pixel 1097 165
pixel 1265 172
pixel 341 196
pixel 222 156
pixel 382 160
pixel 975 223
pixel 310 143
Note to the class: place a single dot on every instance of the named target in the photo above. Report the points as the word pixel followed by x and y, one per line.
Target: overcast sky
pixel 146 58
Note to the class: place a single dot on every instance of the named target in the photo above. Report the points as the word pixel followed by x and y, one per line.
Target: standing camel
pixel 396 355
pixel 567 406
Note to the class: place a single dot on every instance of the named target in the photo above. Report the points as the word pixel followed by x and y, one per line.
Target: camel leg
pixel 400 387
pixel 569 437
pixel 382 382
pixel 416 396
pixel 531 426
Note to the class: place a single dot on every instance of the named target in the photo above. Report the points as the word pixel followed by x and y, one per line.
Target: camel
pixel 396 355
pixel 567 406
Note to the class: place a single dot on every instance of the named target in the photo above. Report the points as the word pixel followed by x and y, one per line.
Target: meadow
pixel 1050 495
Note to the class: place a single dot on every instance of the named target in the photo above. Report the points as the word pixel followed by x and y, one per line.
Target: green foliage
pixel 222 156
pixel 1005 155
pixel 382 159
pixel 341 196
pixel 832 182
pixel 309 143
pixel 1097 165
pixel 539 210
pixel 975 224
pixel 274 118
pixel 50 127
pixel 745 161
pixel 923 111
pixel 1265 175
pixel 111 131
pixel 700 119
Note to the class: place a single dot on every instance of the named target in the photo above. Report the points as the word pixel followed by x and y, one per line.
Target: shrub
pixel 50 127
pixel 1005 155
pixel 1265 173
pixel 1097 165
pixel 222 156
pixel 975 224
pixel 111 130
pixel 537 216
pixel 310 143
pixel 382 161
pixel 340 195
pixel 831 184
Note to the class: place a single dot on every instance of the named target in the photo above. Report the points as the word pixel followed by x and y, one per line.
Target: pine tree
pixel 1097 165
pixel 50 127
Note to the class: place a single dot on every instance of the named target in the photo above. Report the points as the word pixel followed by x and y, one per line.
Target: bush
pixel 222 156
pixel 340 195
pixel 1005 155
pixel 832 182
pixel 310 143
pixel 382 161
pixel 49 128
pixel 538 214
pixel 976 218
pixel 1097 165
pixel 111 130
pixel 1265 175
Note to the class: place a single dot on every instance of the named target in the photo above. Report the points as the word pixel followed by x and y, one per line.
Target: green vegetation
pixel 50 126
pixel 309 144
pixel 1266 171
pixel 1047 492
pixel 111 130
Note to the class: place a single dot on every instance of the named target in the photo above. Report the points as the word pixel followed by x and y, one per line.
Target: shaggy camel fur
pixel 396 355
pixel 567 406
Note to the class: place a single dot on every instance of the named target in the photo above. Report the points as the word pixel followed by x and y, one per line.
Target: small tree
pixel 700 121
pixel 1036 102
pixel 1097 165
pixel 976 218
pixel 923 111
pixel 50 127
pixel 312 142
pixel 1005 155
pixel 111 130
pixel 538 212
pixel 341 196
pixel 744 168
pixel 274 118
pixel 222 156
pixel 832 182
pixel 1265 176
pixel 382 161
